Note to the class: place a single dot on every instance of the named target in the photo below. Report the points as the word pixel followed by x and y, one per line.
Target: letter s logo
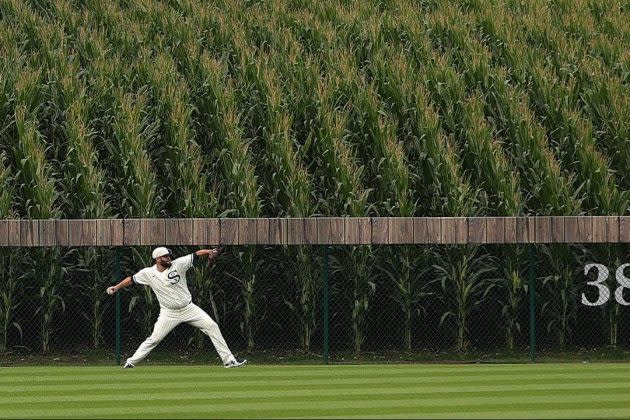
pixel 173 277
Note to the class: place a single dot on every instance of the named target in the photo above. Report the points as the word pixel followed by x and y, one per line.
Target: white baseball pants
pixel 170 318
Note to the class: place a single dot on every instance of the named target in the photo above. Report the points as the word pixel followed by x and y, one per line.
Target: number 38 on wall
pixel 603 291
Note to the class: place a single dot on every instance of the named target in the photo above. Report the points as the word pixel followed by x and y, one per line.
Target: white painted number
pixel 603 292
pixel 624 283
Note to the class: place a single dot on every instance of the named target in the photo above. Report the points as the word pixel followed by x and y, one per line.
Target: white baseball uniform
pixel 176 307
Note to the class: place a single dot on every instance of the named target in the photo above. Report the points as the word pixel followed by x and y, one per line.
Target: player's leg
pixel 197 317
pixel 162 327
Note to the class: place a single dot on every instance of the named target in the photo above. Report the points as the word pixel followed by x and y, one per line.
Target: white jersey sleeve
pixel 142 277
pixel 184 263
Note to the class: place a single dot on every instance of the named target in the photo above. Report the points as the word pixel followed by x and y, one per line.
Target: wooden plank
pixel 420 230
pixel 523 230
pixel 434 230
pixel 330 230
pixel 400 230
pixel 509 229
pixel 310 230
pixel 557 229
pixel 477 230
pixel 88 233
pixel 132 231
pixel 75 232
pixel 229 231
pixel 62 236
pixel 605 229
pixel 4 232
pixel 380 230
pixel 206 231
pixel 117 232
pixel 29 233
pixel 109 232
pixel 47 232
pixel 542 229
pixel 247 231
pixel 578 229
pixel 358 230
pixel 624 229
pixel 153 232
pixel 461 230
pixel 262 230
pixel 599 229
pixel 295 231
pixel 179 231
pixel 213 234
pixel 82 232
pixel 449 230
pixel 103 232
pixel 14 233
pixel 278 231
pixel 612 229
pixel 495 230
pixel 337 231
pixel 200 231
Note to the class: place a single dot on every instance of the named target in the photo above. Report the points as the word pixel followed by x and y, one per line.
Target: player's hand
pixel 111 290
pixel 213 254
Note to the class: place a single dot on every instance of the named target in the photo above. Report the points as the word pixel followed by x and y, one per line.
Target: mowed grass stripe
pixel 317 409
pixel 106 400
pixel 289 394
pixel 314 370
pixel 281 375
pixel 383 380
pixel 114 384
pixel 565 413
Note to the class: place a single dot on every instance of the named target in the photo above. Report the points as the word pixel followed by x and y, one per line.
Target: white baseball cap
pixel 160 252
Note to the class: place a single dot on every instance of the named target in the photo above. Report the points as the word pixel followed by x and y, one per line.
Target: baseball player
pixel 167 279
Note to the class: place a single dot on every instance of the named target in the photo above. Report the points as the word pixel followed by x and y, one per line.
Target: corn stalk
pixel 463 275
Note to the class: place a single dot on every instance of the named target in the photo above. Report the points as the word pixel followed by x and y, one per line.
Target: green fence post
pixel 532 303
pixel 325 305
pixel 118 303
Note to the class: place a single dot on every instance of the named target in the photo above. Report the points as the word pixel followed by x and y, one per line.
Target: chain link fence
pixel 337 303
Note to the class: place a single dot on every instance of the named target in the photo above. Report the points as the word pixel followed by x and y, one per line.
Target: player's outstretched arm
pixel 113 289
pixel 211 253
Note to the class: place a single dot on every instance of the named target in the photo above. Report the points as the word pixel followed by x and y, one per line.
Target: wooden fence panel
pixel 495 228
pixel 132 228
pixel 229 231
pixel 400 230
pixel 47 232
pixel 247 233
pixel 179 232
pixel 153 232
pixel 578 229
pixel 330 230
pixel 380 230
pixel 477 230
pixel 4 232
pixel 624 229
pixel 278 234
pixel 314 231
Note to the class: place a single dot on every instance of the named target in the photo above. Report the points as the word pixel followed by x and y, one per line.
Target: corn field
pixel 299 108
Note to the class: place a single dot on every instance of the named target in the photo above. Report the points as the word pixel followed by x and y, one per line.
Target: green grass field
pixel 419 390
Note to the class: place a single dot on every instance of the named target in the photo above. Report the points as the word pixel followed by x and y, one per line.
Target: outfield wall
pixel 316 231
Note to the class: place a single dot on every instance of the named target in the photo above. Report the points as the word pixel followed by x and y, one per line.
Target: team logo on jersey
pixel 173 277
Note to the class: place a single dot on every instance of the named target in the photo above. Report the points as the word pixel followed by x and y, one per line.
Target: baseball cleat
pixel 128 366
pixel 235 363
